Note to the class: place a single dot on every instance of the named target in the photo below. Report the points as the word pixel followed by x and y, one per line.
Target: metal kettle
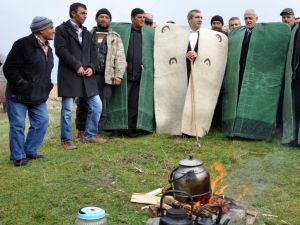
pixel 175 215
pixel 208 220
pixel 191 177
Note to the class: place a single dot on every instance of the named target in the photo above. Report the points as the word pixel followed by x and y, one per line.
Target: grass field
pixel 51 190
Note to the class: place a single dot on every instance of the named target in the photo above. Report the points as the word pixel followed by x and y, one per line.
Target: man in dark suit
pixel 77 64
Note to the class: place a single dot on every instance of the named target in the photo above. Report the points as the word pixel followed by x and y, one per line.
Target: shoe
pixel 35 156
pixel 69 145
pixel 97 139
pixel 21 162
pixel 131 133
pixel 115 133
pixel 79 136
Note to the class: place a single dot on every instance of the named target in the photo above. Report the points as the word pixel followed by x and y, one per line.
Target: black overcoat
pixel 72 55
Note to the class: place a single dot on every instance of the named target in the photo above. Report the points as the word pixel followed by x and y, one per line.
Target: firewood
pixel 152 211
pixel 250 217
pixel 154 192
pixel 144 199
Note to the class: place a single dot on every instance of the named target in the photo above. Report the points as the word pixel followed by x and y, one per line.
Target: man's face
pixel 103 20
pixel 196 21
pixel 48 33
pixel 233 24
pixel 138 21
pixel 250 19
pixel 79 15
pixel 289 19
pixel 216 25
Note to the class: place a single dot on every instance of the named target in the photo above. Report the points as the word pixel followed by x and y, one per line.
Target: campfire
pixel 210 204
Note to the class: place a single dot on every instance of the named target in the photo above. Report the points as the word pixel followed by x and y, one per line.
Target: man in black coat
pixel 77 64
pixel 28 69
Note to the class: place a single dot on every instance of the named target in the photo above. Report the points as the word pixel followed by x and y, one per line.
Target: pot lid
pixel 190 162
pixel 176 212
pixel 90 213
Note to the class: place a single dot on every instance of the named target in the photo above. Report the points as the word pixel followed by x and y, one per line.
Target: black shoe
pixel 21 162
pixel 115 133
pixel 35 156
pixel 131 133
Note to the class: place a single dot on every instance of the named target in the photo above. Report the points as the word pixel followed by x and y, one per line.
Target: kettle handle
pixel 218 220
pixel 173 191
pixel 171 180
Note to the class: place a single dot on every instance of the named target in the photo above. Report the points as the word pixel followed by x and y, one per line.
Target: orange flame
pixel 220 169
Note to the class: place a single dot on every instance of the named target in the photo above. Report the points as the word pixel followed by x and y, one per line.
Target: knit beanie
pixel 40 23
pixel 217 18
pixel 103 11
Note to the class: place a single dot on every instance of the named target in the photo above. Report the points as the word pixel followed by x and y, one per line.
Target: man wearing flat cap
pixel 110 70
pixel 288 16
pixel 28 69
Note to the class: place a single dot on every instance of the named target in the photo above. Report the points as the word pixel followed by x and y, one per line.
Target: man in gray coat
pixel 77 64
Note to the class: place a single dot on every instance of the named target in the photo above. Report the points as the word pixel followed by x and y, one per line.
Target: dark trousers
pixel 105 92
pixel 133 88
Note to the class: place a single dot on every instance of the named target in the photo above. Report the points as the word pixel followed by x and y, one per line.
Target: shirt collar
pixel 41 42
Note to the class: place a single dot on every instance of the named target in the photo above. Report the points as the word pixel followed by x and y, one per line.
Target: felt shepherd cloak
pixel 183 106
pixel 252 113
pixel 117 112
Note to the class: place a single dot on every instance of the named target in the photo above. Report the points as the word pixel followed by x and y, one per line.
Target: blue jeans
pixel 38 118
pixel 92 120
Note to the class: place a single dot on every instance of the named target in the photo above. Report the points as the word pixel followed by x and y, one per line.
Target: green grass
pixel 51 190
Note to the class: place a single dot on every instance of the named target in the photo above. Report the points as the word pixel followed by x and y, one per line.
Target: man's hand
pixel 88 72
pixel 117 81
pixel 191 55
pixel 80 71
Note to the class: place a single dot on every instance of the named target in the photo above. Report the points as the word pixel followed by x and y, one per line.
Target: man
pixel 187 81
pixel 194 18
pixel 297 19
pixel 149 20
pixel 217 24
pixel 111 67
pixel 253 78
pixel 233 23
pixel 77 64
pixel 28 72
pixel 131 106
pixel 288 16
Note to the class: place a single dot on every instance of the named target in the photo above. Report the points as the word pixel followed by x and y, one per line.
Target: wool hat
pixel 40 23
pixel 136 11
pixel 103 11
pixel 288 11
pixel 217 18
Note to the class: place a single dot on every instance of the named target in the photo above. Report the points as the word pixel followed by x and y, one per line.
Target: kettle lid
pixel 190 162
pixel 176 212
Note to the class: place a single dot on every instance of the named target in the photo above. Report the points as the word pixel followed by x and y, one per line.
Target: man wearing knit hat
pixel 111 67
pixel 28 69
pixel 217 24
pixel 288 16
pixel 77 55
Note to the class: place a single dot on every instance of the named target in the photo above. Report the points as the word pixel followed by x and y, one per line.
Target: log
pixel 155 192
pixel 250 217
pixel 144 199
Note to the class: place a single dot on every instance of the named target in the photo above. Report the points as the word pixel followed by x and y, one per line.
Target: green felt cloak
pixel 117 112
pixel 252 114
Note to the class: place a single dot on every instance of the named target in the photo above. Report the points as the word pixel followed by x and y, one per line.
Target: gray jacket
pixel 115 64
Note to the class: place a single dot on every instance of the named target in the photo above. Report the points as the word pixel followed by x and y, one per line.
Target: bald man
pixel 253 78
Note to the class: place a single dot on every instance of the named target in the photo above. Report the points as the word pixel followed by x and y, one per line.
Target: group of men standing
pixel 115 66
pixel 91 64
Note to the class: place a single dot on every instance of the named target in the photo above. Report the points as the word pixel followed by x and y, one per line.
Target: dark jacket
pixel 28 71
pixel 72 55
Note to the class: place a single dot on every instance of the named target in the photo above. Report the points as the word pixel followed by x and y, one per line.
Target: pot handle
pixel 160 211
pixel 218 220
pixel 171 180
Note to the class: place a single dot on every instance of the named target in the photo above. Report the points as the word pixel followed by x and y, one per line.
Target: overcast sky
pixel 16 15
